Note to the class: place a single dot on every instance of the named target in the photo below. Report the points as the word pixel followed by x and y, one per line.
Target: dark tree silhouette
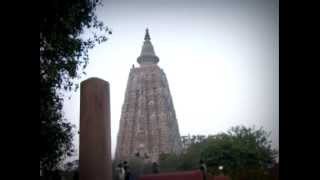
pixel 63 56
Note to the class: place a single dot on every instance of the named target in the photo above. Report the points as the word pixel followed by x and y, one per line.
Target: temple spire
pixel 147 55
pixel 147 36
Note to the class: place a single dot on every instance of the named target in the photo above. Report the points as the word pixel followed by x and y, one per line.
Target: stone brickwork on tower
pixel 148 123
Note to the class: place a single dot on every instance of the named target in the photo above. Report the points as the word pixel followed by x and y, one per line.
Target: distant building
pixel 148 124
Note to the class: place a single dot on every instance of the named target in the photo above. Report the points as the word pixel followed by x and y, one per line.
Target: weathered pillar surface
pixel 95 133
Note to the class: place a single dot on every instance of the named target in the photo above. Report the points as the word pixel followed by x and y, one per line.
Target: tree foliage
pixel 187 141
pixel 243 152
pixel 238 150
pixel 63 56
pixel 189 157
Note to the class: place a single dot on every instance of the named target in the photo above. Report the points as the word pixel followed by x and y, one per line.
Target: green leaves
pixel 241 147
pixel 63 56
pixel 242 151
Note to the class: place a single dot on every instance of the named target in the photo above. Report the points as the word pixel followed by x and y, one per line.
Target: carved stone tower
pixel 148 124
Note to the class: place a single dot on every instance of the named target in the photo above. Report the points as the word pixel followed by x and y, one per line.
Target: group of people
pixel 123 171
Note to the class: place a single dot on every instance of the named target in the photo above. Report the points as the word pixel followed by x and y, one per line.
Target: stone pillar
pixel 95 133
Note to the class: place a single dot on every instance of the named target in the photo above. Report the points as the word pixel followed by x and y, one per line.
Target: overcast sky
pixel 220 58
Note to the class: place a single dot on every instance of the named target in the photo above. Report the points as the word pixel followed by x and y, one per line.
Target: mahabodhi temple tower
pixel 148 124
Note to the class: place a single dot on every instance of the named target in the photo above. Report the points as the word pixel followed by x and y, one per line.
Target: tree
pixel 70 166
pixel 187 141
pixel 241 151
pixel 169 162
pixel 188 159
pixel 63 56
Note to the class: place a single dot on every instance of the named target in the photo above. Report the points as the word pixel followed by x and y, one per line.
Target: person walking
pixel 127 171
pixel 120 172
pixel 155 168
pixel 203 168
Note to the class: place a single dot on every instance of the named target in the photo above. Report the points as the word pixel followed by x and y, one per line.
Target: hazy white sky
pixel 220 58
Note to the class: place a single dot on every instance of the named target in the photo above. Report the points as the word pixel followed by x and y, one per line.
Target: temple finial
pixel 147 55
pixel 147 36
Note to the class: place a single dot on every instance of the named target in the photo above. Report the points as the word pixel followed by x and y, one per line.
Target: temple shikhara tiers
pixel 148 123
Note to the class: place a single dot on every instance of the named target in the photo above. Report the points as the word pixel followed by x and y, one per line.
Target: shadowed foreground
pixel 186 175
pixel 182 175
